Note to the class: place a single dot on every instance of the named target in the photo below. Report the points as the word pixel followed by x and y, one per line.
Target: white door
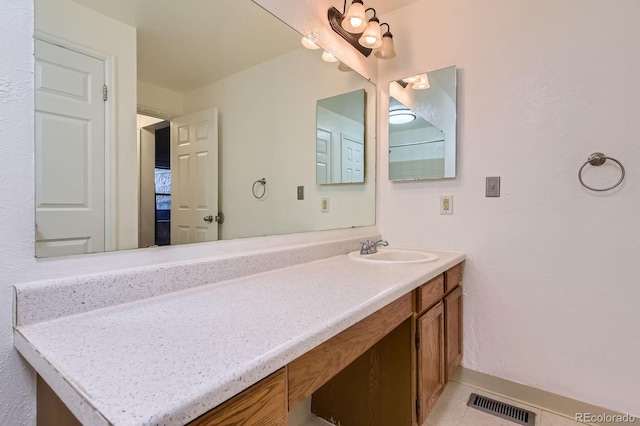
pixel 323 156
pixel 194 177
pixel 352 160
pixel 70 147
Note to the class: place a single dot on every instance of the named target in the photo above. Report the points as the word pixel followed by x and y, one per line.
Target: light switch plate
pixel 493 186
pixel 301 193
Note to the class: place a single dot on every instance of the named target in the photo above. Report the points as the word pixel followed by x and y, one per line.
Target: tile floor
pixel 451 409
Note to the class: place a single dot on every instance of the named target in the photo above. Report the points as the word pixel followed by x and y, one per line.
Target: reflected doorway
pixel 155 182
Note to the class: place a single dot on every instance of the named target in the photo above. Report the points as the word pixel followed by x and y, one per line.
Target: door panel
pixel 431 363
pixel 70 147
pixel 194 174
pixel 323 156
pixel 352 160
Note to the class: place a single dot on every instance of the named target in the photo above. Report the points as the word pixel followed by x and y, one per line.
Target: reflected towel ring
pixel 598 159
pixel 262 181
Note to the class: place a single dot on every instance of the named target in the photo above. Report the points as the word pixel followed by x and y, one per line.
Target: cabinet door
pixel 431 361
pixel 453 330
pixel 263 404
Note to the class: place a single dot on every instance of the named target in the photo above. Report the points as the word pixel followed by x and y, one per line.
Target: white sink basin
pixel 395 255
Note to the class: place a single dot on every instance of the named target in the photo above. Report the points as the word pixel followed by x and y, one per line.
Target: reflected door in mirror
pixel 70 152
pixel 340 138
pixel 194 177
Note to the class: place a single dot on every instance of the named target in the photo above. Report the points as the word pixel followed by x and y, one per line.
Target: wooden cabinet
pixel 438 337
pixel 312 370
pixel 420 356
pixel 431 359
pixel 263 404
pixel 453 330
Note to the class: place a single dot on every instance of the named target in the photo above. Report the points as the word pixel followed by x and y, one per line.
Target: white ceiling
pixel 182 48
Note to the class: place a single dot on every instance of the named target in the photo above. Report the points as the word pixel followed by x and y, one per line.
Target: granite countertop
pixel 168 359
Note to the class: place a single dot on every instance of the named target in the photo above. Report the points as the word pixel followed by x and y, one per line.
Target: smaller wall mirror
pixel 340 138
pixel 422 126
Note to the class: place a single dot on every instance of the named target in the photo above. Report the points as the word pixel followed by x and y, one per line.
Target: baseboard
pixel 538 398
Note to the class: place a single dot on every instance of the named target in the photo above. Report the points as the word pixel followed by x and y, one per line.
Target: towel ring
pixel 263 182
pixel 598 159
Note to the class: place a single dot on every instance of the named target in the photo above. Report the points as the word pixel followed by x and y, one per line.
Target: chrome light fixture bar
pixel 363 35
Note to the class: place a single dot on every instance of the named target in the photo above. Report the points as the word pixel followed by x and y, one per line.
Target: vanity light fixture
pixel 344 67
pixel 422 83
pixel 328 57
pixel 309 43
pixel 411 80
pixel 365 36
pixel 417 82
pixel 386 51
pixel 401 116
pixel 355 20
pixel 372 35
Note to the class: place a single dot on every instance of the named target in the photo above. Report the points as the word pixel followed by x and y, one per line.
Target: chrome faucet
pixel 371 247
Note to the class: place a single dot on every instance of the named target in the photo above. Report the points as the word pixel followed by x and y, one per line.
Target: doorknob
pixel 208 218
pixel 220 218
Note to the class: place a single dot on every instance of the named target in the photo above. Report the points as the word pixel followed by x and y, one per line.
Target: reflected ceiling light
pixel 386 51
pixel 401 116
pixel 328 57
pixel 422 83
pixel 309 43
pixel 364 36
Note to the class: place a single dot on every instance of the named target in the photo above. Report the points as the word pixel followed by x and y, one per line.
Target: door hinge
pixel 418 406
pixel 105 92
pixel 417 340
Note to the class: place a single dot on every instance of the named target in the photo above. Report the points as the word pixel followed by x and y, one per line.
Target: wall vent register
pixel 500 409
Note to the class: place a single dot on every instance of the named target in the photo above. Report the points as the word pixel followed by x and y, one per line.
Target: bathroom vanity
pixel 371 343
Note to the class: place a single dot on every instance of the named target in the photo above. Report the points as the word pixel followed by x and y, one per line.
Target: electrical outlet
pixel 324 205
pixel 446 204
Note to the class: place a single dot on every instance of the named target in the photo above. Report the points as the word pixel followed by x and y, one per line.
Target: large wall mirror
pixel 152 119
pixel 422 126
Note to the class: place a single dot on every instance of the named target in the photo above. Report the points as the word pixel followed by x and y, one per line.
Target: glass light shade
pixel 355 20
pixel 401 116
pixel 328 57
pixel 386 51
pixel 343 67
pixel 309 44
pixel 411 80
pixel 423 83
pixel 372 36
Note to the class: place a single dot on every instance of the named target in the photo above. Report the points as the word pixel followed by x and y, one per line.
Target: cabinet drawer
pixel 452 278
pixel 263 404
pixel 430 293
